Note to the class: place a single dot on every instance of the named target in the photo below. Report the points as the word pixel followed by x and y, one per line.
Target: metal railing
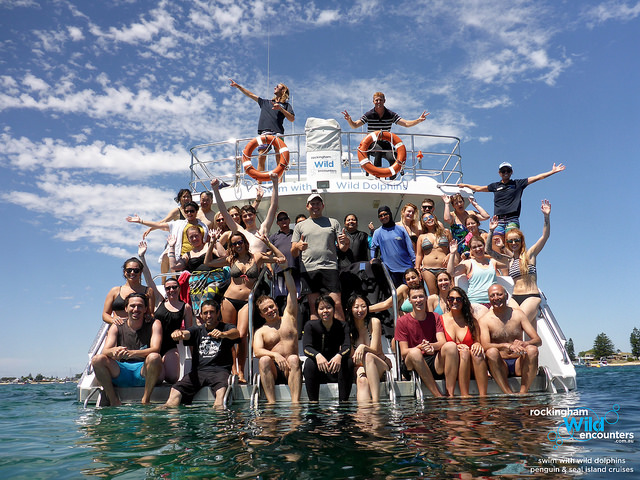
pixel 436 156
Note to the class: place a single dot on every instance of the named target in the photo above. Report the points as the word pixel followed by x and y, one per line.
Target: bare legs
pixel 268 375
pixel 415 362
pixel 368 378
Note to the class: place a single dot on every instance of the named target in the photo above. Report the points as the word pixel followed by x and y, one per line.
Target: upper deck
pixel 433 167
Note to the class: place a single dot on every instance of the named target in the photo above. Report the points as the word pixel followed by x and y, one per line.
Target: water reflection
pixel 461 438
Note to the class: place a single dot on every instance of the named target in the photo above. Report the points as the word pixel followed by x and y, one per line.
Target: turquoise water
pixel 45 434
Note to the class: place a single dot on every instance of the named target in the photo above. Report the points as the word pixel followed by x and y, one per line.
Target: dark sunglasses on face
pixel 427 207
pixel 283 218
pixel 132 270
pixel 190 211
pixel 514 240
pixel 238 243
pixel 171 287
pixel 454 299
pixel 506 170
pixel 383 215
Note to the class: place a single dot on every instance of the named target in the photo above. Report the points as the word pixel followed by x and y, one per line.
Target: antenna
pixel 268 55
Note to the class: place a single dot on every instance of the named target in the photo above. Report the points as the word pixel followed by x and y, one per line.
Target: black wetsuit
pixel 317 339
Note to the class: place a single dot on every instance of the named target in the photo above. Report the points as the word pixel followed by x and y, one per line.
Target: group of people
pixel 449 332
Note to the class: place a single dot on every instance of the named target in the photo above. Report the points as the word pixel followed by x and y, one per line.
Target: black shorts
pixel 430 360
pixel 321 281
pixel 190 384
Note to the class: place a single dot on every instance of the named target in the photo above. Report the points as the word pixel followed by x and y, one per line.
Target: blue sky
pixel 100 101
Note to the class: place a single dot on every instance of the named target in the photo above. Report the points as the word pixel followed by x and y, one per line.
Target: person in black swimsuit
pixel 174 314
pixel 327 345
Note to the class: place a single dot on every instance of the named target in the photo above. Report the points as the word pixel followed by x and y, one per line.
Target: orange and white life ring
pixel 282 157
pixel 398 146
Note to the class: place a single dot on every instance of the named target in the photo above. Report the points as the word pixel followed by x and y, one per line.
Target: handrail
pixel 250 301
pixel 394 300
pixel 554 328
pixel 223 159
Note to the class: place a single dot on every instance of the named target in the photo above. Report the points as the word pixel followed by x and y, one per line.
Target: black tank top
pixel 171 321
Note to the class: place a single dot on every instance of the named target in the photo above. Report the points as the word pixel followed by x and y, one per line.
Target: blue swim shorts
pixel 505 224
pixel 511 366
pixel 130 375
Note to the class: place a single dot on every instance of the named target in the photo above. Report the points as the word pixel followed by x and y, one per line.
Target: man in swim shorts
pixel 212 359
pixel 501 333
pixel 423 345
pixel 131 353
pixel 276 343
pixel 507 195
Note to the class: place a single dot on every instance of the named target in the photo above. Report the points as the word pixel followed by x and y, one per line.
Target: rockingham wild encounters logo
pixel 583 424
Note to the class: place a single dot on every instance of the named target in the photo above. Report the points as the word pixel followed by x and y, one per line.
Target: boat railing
pixel 436 156
pixel 554 328
pixel 263 278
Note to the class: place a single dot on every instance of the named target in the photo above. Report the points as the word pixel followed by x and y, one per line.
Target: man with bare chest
pixel 501 335
pixel 276 343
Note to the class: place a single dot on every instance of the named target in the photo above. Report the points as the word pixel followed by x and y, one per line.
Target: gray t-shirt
pixel 321 234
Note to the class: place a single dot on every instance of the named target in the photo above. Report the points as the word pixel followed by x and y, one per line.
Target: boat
pixel 325 160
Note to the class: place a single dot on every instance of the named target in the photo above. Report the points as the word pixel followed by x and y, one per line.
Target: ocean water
pixel 45 434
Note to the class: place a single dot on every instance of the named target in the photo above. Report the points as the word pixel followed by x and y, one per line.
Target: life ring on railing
pixel 282 157
pixel 398 146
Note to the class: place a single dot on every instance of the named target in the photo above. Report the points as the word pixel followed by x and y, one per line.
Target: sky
pixel 100 102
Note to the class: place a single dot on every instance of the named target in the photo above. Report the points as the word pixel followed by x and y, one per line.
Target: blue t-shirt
pixel 396 249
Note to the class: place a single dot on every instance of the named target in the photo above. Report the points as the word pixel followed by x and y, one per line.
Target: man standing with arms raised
pixel 314 241
pixel 272 114
pixel 381 118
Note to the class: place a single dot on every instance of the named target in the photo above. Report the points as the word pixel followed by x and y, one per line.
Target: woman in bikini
pixel 461 327
pixel 433 250
pixel 244 271
pixel 437 303
pixel 366 340
pixel 409 221
pixel 411 279
pixel 113 311
pixel 457 219
pixel 194 259
pixel 481 272
pixel 522 263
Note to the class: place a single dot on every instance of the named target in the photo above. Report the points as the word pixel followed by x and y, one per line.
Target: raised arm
pixel 142 249
pixel 291 307
pixel 488 245
pixel 222 208
pixel 546 229
pixel 155 225
pixel 474 188
pixel 358 123
pixel 410 123
pixel 452 268
pixel 446 216
pixel 248 93
pixel 555 169
pixel 273 207
pixel 482 213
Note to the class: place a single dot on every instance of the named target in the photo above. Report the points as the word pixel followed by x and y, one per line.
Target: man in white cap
pixel 507 194
pixel 314 241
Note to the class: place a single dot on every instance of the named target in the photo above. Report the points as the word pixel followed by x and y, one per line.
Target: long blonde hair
pixel 524 255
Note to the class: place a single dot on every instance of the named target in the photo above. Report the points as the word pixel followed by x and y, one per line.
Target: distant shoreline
pixel 620 364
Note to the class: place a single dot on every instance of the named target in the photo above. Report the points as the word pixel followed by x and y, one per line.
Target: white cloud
pixel 135 162
pixel 612 10
pixel 75 33
pixel 35 83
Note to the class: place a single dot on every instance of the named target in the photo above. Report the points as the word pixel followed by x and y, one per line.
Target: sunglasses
pixel 132 270
pixel 506 170
pixel 454 299
pixel 514 240
pixel 427 207
pixel 283 218
pixel 171 287
pixel 239 243
pixel 219 220
pixel 190 211
pixel 383 215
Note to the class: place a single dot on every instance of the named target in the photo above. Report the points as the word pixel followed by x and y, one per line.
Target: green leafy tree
pixel 603 346
pixel 570 350
pixel 634 339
